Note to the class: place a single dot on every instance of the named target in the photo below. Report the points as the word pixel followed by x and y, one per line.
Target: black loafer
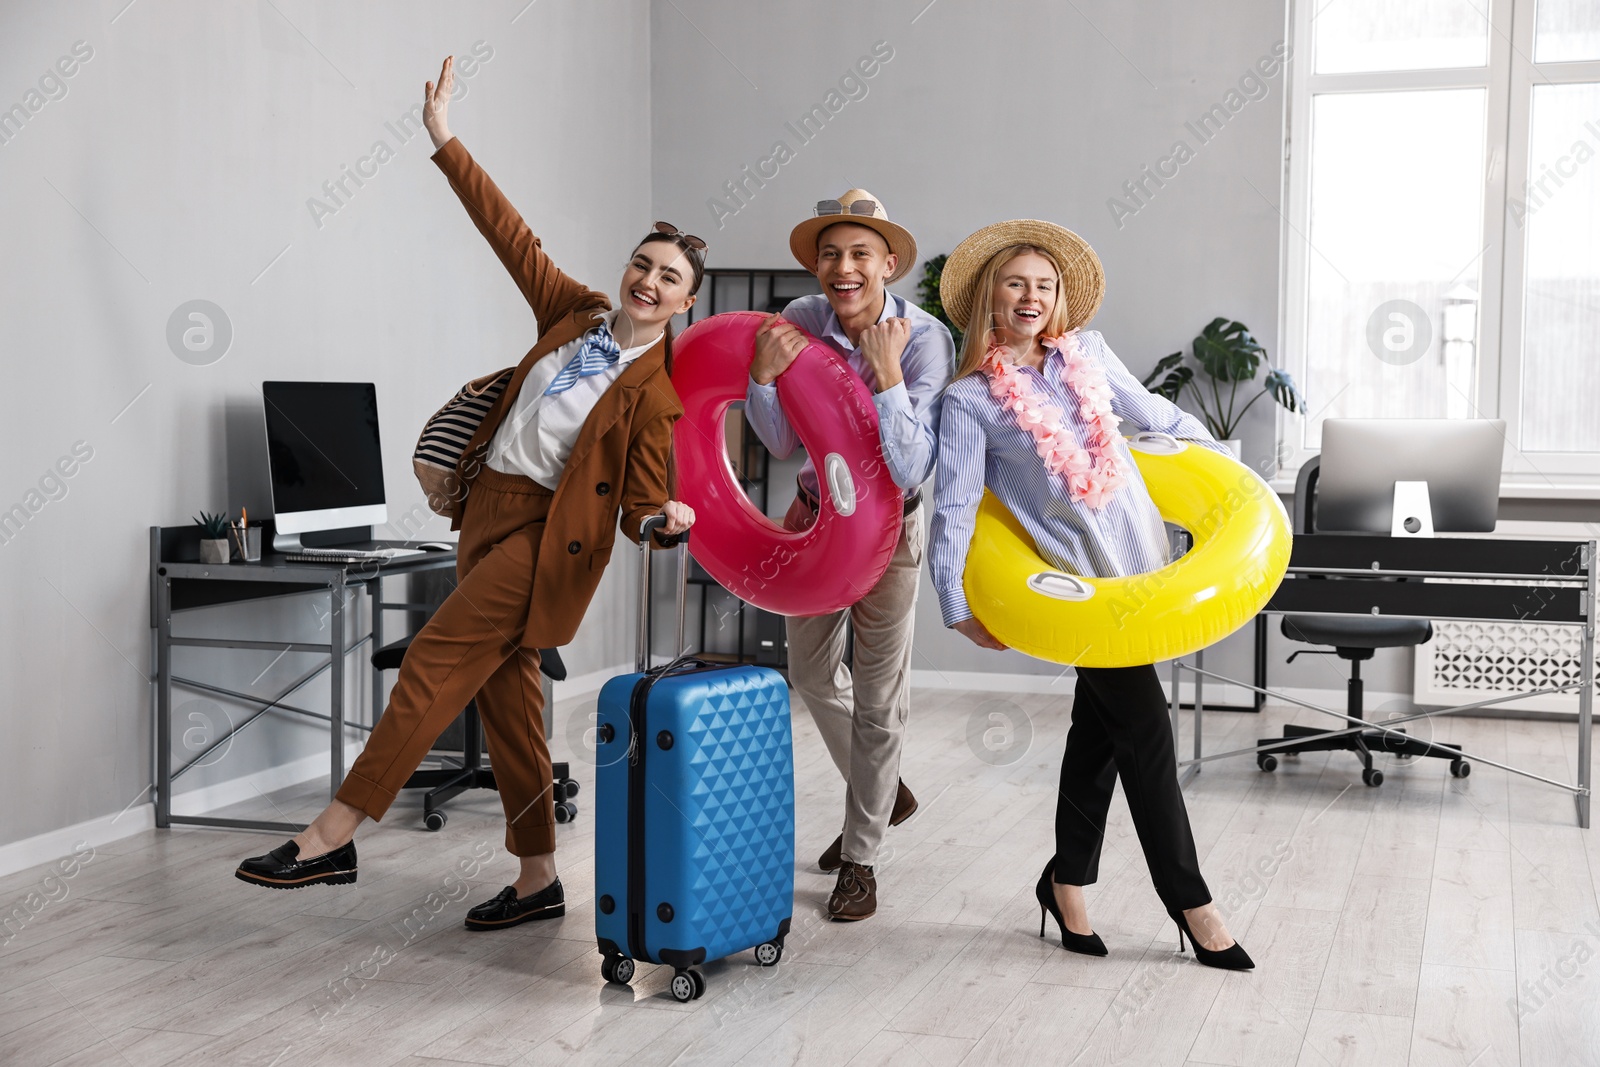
pixel 282 868
pixel 507 910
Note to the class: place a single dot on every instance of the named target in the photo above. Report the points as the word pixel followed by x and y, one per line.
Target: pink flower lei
pixel 1093 473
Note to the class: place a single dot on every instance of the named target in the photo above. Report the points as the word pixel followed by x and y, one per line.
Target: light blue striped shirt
pixel 908 413
pixel 980 445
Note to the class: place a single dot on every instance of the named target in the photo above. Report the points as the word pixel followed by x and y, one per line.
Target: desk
pixel 178 582
pixel 1470 579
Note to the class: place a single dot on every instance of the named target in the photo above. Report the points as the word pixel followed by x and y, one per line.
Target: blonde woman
pixel 1035 414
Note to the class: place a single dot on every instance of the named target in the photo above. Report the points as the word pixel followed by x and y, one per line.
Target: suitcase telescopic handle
pixel 647 531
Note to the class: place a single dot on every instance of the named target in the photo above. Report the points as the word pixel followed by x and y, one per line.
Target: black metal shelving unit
pixel 746 289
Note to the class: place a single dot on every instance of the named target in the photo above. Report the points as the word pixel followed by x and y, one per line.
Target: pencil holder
pixel 247 544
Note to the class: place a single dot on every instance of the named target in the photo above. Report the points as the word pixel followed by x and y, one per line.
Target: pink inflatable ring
pixel 841 557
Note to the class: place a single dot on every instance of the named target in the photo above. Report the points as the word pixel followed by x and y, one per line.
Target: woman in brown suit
pixel 581 433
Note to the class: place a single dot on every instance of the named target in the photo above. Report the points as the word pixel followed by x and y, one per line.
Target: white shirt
pixel 537 434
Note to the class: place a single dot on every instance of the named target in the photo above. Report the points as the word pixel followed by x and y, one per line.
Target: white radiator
pixel 1471 661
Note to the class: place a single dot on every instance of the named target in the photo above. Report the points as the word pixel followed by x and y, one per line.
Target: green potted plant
pixel 1230 357
pixel 213 538
pixel 928 295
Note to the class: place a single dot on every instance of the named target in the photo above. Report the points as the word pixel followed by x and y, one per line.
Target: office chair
pixel 443 783
pixel 1354 638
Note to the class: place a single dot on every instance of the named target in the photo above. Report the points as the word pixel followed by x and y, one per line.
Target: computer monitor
pixel 325 458
pixel 1363 459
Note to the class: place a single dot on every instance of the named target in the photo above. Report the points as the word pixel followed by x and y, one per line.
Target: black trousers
pixel 1120 728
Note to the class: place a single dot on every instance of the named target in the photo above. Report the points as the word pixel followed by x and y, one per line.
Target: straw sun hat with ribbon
pixel 862 208
pixel 1083 281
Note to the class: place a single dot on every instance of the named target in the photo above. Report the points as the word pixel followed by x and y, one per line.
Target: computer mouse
pixel 437 546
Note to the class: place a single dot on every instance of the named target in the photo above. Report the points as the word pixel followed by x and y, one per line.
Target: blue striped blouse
pixel 980 445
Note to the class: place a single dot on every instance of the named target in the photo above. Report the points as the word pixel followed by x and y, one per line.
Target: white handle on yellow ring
pixel 1060 585
pixel 1153 443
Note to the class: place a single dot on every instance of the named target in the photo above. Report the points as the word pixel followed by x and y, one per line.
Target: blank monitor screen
pixel 1460 460
pixel 322 445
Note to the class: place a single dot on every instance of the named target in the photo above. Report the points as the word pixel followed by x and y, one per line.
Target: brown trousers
pixel 471 648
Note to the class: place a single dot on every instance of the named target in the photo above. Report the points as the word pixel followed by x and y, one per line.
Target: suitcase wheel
pixel 769 953
pixel 617 969
pixel 688 985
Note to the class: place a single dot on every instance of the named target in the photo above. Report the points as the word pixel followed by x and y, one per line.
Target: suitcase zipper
pixel 636 747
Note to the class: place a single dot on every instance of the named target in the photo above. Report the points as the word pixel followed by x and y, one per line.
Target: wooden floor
pixel 1412 923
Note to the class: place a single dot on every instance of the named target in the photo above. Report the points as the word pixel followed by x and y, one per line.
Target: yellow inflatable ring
pixel 1241 550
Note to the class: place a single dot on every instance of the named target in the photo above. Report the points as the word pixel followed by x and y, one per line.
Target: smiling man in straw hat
pixel 905 356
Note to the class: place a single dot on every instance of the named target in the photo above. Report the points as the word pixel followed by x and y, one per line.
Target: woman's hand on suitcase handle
pixel 680 517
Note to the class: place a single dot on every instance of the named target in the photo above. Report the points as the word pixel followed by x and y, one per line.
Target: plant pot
pixel 1235 446
pixel 214 550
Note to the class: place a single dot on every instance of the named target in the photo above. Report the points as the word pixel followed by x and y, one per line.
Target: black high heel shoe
pixel 1087 944
pixel 1232 958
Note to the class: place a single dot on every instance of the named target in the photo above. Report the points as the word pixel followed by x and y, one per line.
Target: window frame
pixel 1508 79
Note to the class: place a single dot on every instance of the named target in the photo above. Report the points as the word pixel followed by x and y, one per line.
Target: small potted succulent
pixel 1227 353
pixel 213 538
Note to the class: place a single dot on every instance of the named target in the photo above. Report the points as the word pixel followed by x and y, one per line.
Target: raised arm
pixel 549 291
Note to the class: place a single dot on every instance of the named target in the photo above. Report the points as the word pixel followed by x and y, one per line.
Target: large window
pixel 1443 232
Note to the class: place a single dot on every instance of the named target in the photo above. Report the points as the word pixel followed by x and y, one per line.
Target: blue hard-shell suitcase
pixel 694 813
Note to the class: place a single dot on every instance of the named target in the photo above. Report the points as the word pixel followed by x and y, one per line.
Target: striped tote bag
pixel 446 435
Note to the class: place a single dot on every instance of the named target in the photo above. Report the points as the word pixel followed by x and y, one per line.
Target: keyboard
pixel 349 555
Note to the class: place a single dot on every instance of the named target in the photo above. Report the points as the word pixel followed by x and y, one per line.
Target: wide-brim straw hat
pixel 1083 280
pixel 803 238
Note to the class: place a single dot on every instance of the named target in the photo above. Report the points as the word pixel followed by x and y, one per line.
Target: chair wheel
pixel 1372 776
pixel 1460 768
pixel 564 812
pixel 617 969
pixel 1266 761
pixel 434 820
pixel 569 788
pixel 769 953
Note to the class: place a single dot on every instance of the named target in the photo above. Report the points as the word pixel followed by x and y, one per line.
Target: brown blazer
pixel 619 463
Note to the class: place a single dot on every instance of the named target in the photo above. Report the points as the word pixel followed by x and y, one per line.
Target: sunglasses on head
pixel 676 234
pixel 855 207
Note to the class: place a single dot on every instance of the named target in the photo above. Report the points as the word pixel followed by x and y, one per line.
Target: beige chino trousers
pixel 861 712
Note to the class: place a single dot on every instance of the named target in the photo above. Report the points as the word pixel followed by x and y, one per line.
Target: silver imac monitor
pixel 325 458
pixel 1363 459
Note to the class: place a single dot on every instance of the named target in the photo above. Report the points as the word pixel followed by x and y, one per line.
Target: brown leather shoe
pixel 855 895
pixel 905 806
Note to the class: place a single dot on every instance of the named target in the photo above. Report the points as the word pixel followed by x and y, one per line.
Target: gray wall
pixel 178 165
pixel 986 112
pixel 177 160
